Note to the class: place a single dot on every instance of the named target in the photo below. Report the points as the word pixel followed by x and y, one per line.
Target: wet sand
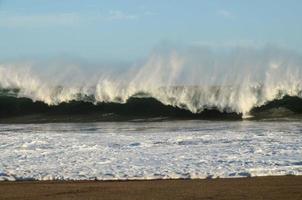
pixel 282 187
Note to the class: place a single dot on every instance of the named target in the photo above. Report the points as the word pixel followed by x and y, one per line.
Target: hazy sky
pixel 129 29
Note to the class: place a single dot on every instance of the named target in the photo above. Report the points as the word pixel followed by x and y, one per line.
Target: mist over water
pixel 229 79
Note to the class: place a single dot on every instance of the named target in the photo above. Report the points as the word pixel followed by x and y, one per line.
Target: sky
pixel 127 30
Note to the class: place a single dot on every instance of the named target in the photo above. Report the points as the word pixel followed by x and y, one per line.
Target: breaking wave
pixel 138 107
pixel 195 82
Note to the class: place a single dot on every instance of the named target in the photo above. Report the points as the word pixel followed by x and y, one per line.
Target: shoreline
pixel 266 187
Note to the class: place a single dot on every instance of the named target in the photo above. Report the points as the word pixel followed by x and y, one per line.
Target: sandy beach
pixel 282 187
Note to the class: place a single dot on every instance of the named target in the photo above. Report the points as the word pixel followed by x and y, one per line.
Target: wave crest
pixel 195 79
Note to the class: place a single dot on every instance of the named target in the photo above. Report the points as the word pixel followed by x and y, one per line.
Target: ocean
pixel 195 113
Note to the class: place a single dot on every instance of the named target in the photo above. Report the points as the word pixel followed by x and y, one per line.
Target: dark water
pixel 24 110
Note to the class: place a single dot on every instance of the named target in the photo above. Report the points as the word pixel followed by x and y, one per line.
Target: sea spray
pixel 233 79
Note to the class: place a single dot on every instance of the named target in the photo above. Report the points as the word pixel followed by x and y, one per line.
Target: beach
pixel 150 100
pixel 275 187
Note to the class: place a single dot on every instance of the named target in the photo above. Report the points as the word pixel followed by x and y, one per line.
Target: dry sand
pixel 282 187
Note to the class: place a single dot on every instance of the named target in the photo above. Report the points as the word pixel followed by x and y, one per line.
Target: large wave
pixel 193 81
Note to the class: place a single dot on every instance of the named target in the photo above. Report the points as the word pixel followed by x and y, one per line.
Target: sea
pixel 186 114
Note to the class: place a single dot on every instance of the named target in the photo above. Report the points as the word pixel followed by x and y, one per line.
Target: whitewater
pixel 231 80
pixel 149 150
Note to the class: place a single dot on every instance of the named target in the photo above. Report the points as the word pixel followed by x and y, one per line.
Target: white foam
pixel 119 151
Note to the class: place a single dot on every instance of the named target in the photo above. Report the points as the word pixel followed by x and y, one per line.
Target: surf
pixel 188 82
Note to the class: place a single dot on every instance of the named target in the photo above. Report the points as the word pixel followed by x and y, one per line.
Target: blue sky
pixel 130 29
